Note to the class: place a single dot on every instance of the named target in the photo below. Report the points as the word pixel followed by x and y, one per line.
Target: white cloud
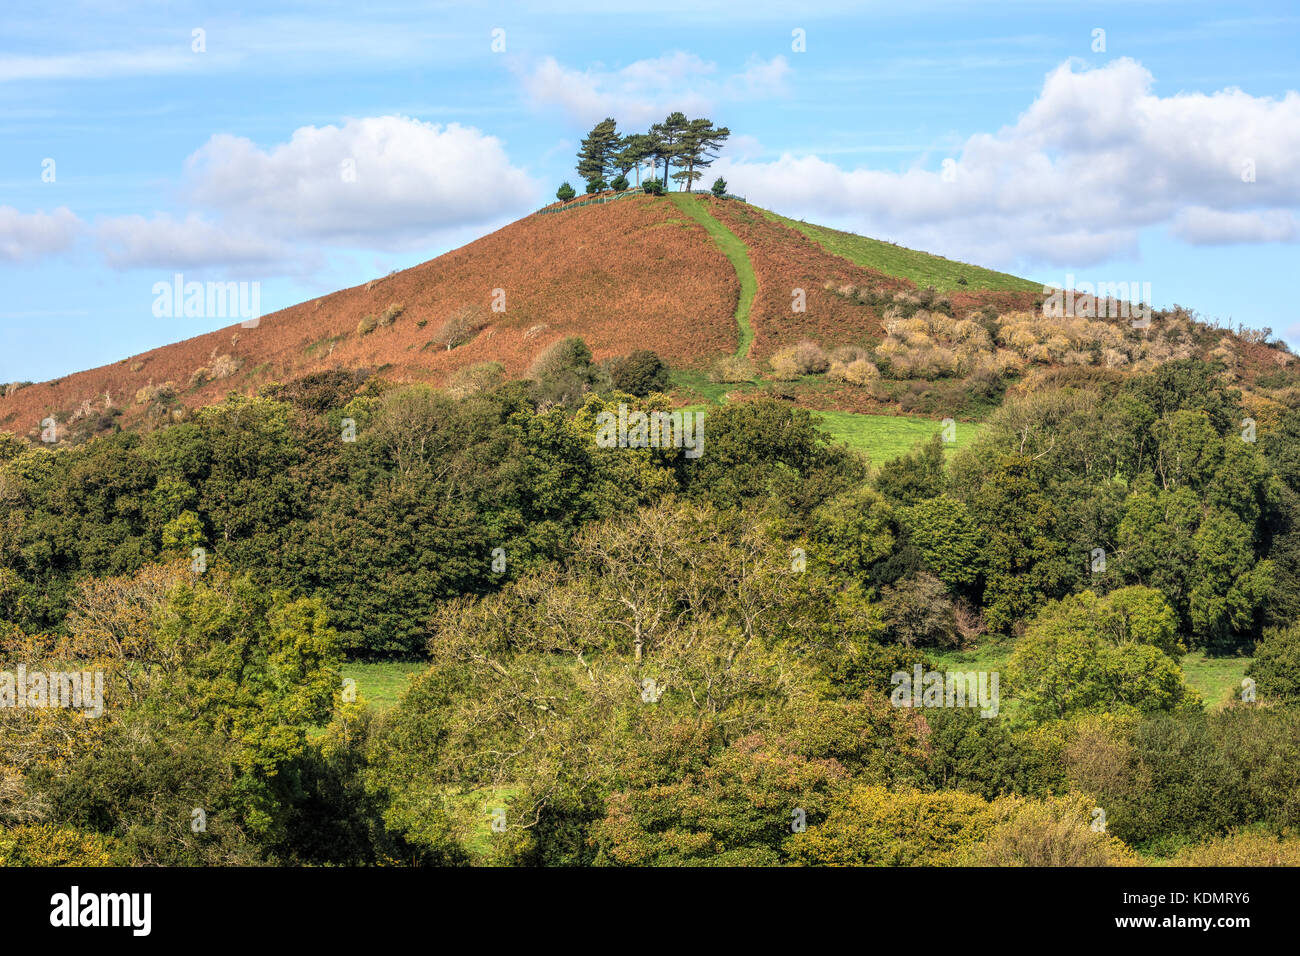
pixel 131 242
pixel 1096 158
pixel 647 90
pixel 28 236
pixel 386 182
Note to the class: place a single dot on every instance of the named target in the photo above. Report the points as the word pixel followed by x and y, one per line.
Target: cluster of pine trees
pixel 606 157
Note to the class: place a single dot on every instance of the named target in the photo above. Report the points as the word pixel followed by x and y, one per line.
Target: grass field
pixel 1216 679
pixel 921 267
pixel 736 253
pixel 381 685
pixel 883 438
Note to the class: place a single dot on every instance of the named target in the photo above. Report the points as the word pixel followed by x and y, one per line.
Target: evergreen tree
pixel 698 147
pixel 668 139
pixel 595 155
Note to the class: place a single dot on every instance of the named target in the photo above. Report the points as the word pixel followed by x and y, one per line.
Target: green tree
pixel 597 150
pixel 1276 666
pixel 640 373
pixel 699 143
pixel 666 140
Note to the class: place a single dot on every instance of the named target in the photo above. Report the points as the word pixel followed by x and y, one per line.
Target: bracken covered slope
pixel 633 274
pixel 642 272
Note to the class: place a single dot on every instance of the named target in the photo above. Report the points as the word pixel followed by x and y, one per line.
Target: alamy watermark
pixel 40 690
pixel 1113 300
pixel 923 688
pixel 208 300
pixel 629 429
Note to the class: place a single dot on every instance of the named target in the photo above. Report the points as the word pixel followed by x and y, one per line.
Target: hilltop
pixel 737 300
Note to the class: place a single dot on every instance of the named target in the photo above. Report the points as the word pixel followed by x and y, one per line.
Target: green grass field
pixel 737 254
pixel 921 267
pixel 382 685
pixel 1216 679
pixel 883 438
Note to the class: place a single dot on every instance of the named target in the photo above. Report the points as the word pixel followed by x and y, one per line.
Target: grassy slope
pixel 382 685
pixel 920 267
pixel 736 253
pixel 883 438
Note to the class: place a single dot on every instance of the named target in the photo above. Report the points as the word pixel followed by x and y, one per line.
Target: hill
pixel 697 280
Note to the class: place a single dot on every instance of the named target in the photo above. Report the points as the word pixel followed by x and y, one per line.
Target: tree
pixel 698 147
pixel 1276 667
pixel 640 373
pixel 618 183
pixel 565 192
pixel 916 476
pixel 941 529
pixel 1090 654
pixel 719 187
pixel 596 152
pixel 563 371
pixel 667 145
pixel 637 148
pixel 918 612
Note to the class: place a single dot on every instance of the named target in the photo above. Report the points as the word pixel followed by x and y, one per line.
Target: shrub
pixel 640 373
pixel 563 372
pixel 1055 831
pixel 390 314
pixel 50 844
pixel 224 366
pixel 918 612
pixel 720 187
pixel 810 358
pixel 806 358
pixel 732 369
pixel 654 187
pixel 596 185
pixel 367 324
pixel 1242 848
pixel 1276 667
pixel 480 377
pixel 565 192
pixel 784 366
pixel 861 371
pixel 619 183
pixel 874 827
pixel 460 328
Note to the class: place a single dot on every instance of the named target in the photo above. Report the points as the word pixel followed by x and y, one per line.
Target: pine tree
pixel 637 148
pixel 698 148
pixel 597 150
pixel 668 137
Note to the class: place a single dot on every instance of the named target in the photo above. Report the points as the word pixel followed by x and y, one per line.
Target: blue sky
pixel 1001 135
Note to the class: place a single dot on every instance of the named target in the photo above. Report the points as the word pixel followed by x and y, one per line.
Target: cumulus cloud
pixel 386 182
pixel 647 90
pixel 164 242
pixel 28 236
pixel 1096 158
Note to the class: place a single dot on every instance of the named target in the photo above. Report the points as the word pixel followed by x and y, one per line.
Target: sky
pixel 302 148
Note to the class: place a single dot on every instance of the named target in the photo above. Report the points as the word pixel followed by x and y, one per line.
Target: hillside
pixel 690 277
